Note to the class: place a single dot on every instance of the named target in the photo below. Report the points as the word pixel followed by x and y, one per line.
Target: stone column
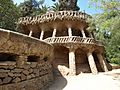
pixel 30 34
pixel 41 35
pixel 21 60
pixel 54 32
pixel 92 63
pixel 83 33
pixel 102 62
pixel 72 65
pixel 69 32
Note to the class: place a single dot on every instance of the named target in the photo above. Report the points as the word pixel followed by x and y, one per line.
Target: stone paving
pixel 102 81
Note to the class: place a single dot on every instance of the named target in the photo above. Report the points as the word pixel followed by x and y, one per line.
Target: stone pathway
pixel 102 81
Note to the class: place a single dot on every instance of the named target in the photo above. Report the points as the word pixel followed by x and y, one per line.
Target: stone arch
pixel 87 33
pixel 82 65
pixel 63 32
pixel 97 62
pixel 61 60
pixel 77 32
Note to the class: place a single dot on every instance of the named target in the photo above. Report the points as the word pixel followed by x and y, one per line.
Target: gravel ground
pixel 102 81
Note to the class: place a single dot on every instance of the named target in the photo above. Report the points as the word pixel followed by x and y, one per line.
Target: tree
pixel 108 27
pixel 32 8
pixel 55 7
pixel 9 13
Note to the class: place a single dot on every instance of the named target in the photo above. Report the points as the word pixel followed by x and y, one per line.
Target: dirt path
pixel 102 81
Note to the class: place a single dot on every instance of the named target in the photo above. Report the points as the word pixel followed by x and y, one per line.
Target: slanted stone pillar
pixel 41 35
pixel 54 32
pixel 69 32
pixel 83 33
pixel 30 34
pixel 92 63
pixel 102 62
pixel 21 60
pixel 72 65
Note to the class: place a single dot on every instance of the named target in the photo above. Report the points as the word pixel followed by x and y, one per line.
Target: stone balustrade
pixel 72 39
pixel 52 16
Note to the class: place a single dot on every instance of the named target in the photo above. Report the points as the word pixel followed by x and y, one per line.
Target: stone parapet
pixel 54 16
pixel 20 44
pixel 24 62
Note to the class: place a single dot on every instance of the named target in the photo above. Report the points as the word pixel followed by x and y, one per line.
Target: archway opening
pixel 63 32
pixel 82 64
pixel 61 60
pixel 87 33
pixel 99 68
pixel 77 32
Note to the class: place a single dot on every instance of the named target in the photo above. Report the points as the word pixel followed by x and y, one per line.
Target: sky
pixel 83 4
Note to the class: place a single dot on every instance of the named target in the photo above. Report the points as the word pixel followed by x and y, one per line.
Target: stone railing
pixel 52 16
pixel 73 39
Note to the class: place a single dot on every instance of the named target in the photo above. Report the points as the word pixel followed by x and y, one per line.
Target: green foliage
pixel 115 60
pixel 28 9
pixel 55 7
pixel 9 14
pixel 109 20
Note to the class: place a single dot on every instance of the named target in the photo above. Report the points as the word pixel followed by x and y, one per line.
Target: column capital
pixel 72 48
pixel 90 50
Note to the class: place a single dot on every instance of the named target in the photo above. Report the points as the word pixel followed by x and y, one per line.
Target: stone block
pixel 30 70
pixel 29 77
pixel 1 82
pixel 4 71
pixel 11 67
pixel 2 75
pixel 36 72
pixel 3 66
pixel 26 67
pixel 10 74
pixel 26 72
pixel 33 65
pixel 17 79
pixel 23 77
pixel 7 80
pixel 17 75
pixel 32 75
pixel 17 70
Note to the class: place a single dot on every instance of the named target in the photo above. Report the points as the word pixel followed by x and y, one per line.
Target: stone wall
pixel 32 76
pixel 24 62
